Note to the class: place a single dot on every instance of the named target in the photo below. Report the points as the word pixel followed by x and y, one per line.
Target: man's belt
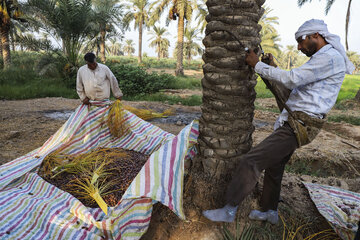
pixel 306 128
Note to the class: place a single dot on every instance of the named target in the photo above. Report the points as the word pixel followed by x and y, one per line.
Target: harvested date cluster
pixel 108 171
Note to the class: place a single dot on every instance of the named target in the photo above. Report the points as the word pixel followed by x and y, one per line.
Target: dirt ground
pixel 333 158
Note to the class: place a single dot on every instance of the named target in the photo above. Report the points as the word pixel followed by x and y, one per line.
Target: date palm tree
pixel 180 10
pixel 268 33
pixel 108 14
pixel 158 40
pixel 115 48
pixel 129 47
pixel 138 11
pixel 228 85
pixel 191 47
pixel 68 20
pixel 201 15
pixel 9 10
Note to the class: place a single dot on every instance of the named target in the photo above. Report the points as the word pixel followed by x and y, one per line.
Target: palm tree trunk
pixel 180 45
pixel 1 49
pixel 12 38
pixel 357 97
pixel 102 44
pixel 4 34
pixel 140 41
pixel 289 61
pixel 347 25
pixel 228 85
pixel 159 51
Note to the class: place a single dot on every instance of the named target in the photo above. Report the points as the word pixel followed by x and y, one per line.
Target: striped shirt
pixel 314 86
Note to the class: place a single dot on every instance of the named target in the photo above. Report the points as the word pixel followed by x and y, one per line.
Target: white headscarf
pixel 319 26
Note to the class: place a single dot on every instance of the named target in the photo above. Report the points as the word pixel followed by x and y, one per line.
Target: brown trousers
pixel 270 155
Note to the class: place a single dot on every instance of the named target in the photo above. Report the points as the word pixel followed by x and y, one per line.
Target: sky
pixel 290 18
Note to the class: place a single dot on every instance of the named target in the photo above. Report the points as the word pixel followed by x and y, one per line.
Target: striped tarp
pixel 340 207
pixel 31 208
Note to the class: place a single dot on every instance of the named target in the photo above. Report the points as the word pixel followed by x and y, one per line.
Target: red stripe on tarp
pixel 147 177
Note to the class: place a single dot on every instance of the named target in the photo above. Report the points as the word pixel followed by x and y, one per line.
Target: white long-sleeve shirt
pixel 315 85
pixel 96 84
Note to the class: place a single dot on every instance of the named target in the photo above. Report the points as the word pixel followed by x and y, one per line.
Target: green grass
pixel 345 118
pixel 194 100
pixel 186 82
pixel 261 90
pixel 348 89
pixel 38 89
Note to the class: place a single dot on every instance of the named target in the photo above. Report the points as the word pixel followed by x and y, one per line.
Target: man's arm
pixel 80 89
pixel 114 84
pixel 318 67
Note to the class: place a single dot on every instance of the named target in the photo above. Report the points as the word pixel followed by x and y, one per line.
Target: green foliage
pixel 135 80
pixel 345 118
pixel 349 87
pixel 261 90
pixel 185 82
pixel 152 62
pixel 36 88
pixel 194 100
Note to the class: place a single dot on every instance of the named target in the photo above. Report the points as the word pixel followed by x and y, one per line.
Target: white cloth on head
pixel 319 26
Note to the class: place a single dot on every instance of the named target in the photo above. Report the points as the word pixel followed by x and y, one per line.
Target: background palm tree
pixel 158 41
pixel 129 47
pixel 191 47
pixel 108 14
pixel 354 57
pixel 9 10
pixel 138 10
pixel 201 15
pixel 268 33
pixel 290 56
pixel 115 47
pixel 180 10
pixel 69 20
pixel 329 4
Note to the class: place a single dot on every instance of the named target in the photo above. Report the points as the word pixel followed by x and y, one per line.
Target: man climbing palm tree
pixel 313 89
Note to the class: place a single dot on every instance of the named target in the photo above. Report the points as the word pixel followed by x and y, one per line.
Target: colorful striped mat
pixel 340 207
pixel 31 208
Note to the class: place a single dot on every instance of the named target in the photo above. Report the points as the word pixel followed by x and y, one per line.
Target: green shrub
pixel 135 80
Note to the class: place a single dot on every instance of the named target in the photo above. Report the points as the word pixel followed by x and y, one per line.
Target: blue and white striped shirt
pixel 315 85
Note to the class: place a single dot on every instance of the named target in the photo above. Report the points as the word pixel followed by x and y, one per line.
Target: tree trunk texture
pixel 140 41
pixel 1 51
pixel 228 85
pixel 159 51
pixel 357 97
pixel 102 44
pixel 4 34
pixel 12 38
pixel 180 46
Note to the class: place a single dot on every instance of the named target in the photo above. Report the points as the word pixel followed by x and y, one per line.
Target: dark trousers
pixel 270 155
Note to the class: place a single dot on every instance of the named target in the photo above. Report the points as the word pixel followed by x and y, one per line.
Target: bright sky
pixel 290 18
